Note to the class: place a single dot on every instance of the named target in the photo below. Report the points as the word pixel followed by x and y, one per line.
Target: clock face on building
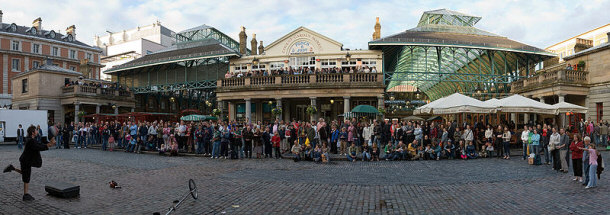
pixel 70 38
pixel 301 47
pixel 34 31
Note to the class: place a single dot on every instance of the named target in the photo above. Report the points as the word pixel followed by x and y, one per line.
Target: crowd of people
pixel 355 140
pixel 97 84
pixel 302 70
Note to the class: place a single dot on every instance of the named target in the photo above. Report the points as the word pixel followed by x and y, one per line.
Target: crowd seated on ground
pixel 97 84
pixel 301 70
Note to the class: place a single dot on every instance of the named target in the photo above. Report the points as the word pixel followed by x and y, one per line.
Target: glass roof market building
pixel 445 53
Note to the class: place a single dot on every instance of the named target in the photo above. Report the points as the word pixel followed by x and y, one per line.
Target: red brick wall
pixel 5 44
pixel 46 50
pixel 26 47
pixel 64 52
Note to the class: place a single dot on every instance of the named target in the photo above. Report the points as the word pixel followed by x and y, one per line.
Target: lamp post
pixel 348 57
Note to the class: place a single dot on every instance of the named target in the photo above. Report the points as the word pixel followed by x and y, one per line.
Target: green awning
pixel 365 109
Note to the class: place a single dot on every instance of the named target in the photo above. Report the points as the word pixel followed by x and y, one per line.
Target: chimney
pixel 607 39
pixel 377 33
pixel 253 44
pixel 582 44
pixel 37 23
pixel 0 16
pixel 242 40
pixel 261 48
pixel 72 31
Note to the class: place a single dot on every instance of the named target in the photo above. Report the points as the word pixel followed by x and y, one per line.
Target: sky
pixel 540 23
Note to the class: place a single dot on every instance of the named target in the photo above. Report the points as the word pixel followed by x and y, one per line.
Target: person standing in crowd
pixel 603 133
pixel 20 137
pixel 554 141
pixel 506 136
pixel 276 144
pixel 30 158
pixel 525 140
pixel 248 136
pixel 266 136
pixel 592 176
pixel 577 152
pixel 564 144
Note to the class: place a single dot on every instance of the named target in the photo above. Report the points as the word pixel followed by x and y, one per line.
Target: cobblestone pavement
pixel 150 184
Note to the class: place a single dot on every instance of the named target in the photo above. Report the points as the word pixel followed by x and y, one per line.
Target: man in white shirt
pixel 524 139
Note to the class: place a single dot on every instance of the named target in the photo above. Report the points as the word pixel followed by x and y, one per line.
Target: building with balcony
pixel 124 46
pixel 583 78
pixel 67 95
pixel 23 48
pixel 592 38
pixel 301 69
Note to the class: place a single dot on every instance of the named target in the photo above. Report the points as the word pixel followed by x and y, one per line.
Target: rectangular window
pixel 328 63
pixel 72 54
pixel 16 66
pixel 276 65
pixel 36 48
pixel 600 110
pixel 258 67
pixel 35 64
pixel 241 68
pixel 15 46
pixel 55 51
pixel 89 56
pixel 24 85
pixel 73 68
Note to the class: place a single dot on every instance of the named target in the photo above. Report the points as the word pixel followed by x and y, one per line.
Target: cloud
pixel 539 23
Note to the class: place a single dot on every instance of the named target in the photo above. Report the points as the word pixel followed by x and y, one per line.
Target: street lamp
pixel 332 101
pixel 270 102
pixel 417 94
pixel 348 56
pixel 172 99
pixel 255 61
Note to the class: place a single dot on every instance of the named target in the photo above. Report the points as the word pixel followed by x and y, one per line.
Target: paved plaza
pixel 150 183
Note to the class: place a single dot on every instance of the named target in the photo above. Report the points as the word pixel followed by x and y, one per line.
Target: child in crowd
pixel 471 151
pixel 275 140
pixel 343 139
pixel 375 152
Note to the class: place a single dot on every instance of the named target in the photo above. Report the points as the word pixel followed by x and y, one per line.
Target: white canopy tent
pixel 564 107
pixel 519 104
pixel 455 103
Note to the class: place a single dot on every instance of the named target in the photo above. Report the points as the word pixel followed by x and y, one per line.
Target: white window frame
pixel 89 56
pixel 39 48
pixel 276 65
pixel 18 65
pixel 351 63
pixel 240 68
pixel 328 63
pixel 72 54
pixel 35 62
pixel 73 68
pixel 25 86
pixel 302 62
pixel 53 51
pixel 259 67
pixel 18 45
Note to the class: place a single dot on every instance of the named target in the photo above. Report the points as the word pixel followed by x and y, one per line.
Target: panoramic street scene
pixel 304 107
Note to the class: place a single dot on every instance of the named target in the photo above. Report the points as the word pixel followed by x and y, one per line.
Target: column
pixel 133 110
pixel 380 104
pixel 232 111
pixel 221 109
pixel 562 97
pixel 76 110
pixel 97 108
pixel 314 116
pixel 562 118
pixel 279 105
pixel 526 118
pixel 248 110
pixel 346 106
pixel 116 110
pixel 513 117
pixel 542 99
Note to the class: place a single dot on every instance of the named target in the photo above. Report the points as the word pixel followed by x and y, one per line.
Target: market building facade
pixel 301 70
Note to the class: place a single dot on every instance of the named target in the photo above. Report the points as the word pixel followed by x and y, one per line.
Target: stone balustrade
pixel 306 80
pixel 80 90
pixel 553 76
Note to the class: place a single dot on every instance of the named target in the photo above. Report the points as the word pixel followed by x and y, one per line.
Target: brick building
pixel 23 48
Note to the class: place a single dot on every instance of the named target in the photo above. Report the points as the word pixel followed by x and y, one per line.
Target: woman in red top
pixel 575 147
pixel 275 140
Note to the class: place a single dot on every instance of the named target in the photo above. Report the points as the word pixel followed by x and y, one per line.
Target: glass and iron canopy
pixel 445 53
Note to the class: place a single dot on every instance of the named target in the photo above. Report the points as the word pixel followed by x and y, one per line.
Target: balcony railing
pixel 109 93
pixel 306 80
pixel 554 76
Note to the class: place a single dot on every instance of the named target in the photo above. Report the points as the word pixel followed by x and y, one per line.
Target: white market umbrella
pixel 519 104
pixel 564 107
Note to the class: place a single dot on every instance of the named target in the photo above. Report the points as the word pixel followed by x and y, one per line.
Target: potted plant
pixel 81 114
pixel 581 65
pixel 381 111
pixel 215 112
pixel 311 110
pixel 276 111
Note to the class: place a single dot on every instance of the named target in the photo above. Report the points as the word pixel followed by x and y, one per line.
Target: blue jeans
pixel 104 142
pixel 349 156
pixel 20 143
pixel 131 147
pixel 200 147
pixel 524 150
pixel 216 149
pixel 604 140
pixel 507 149
pixel 366 156
pixel 585 169
pixel 58 141
pixel 592 176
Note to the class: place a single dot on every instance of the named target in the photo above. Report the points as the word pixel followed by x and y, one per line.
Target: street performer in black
pixel 30 158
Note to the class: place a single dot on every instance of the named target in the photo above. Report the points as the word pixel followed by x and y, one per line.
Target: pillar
pixel 526 118
pixel 76 110
pixel 314 116
pixel 279 105
pixel 346 106
pixel 232 111
pixel 513 118
pixel 562 118
pixel 133 110
pixel 248 110
pixel 116 110
pixel 380 104
pixel 542 99
pixel 97 108
pixel 221 109
pixel 562 97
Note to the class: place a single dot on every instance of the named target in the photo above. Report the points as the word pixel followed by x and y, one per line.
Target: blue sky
pixel 535 22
